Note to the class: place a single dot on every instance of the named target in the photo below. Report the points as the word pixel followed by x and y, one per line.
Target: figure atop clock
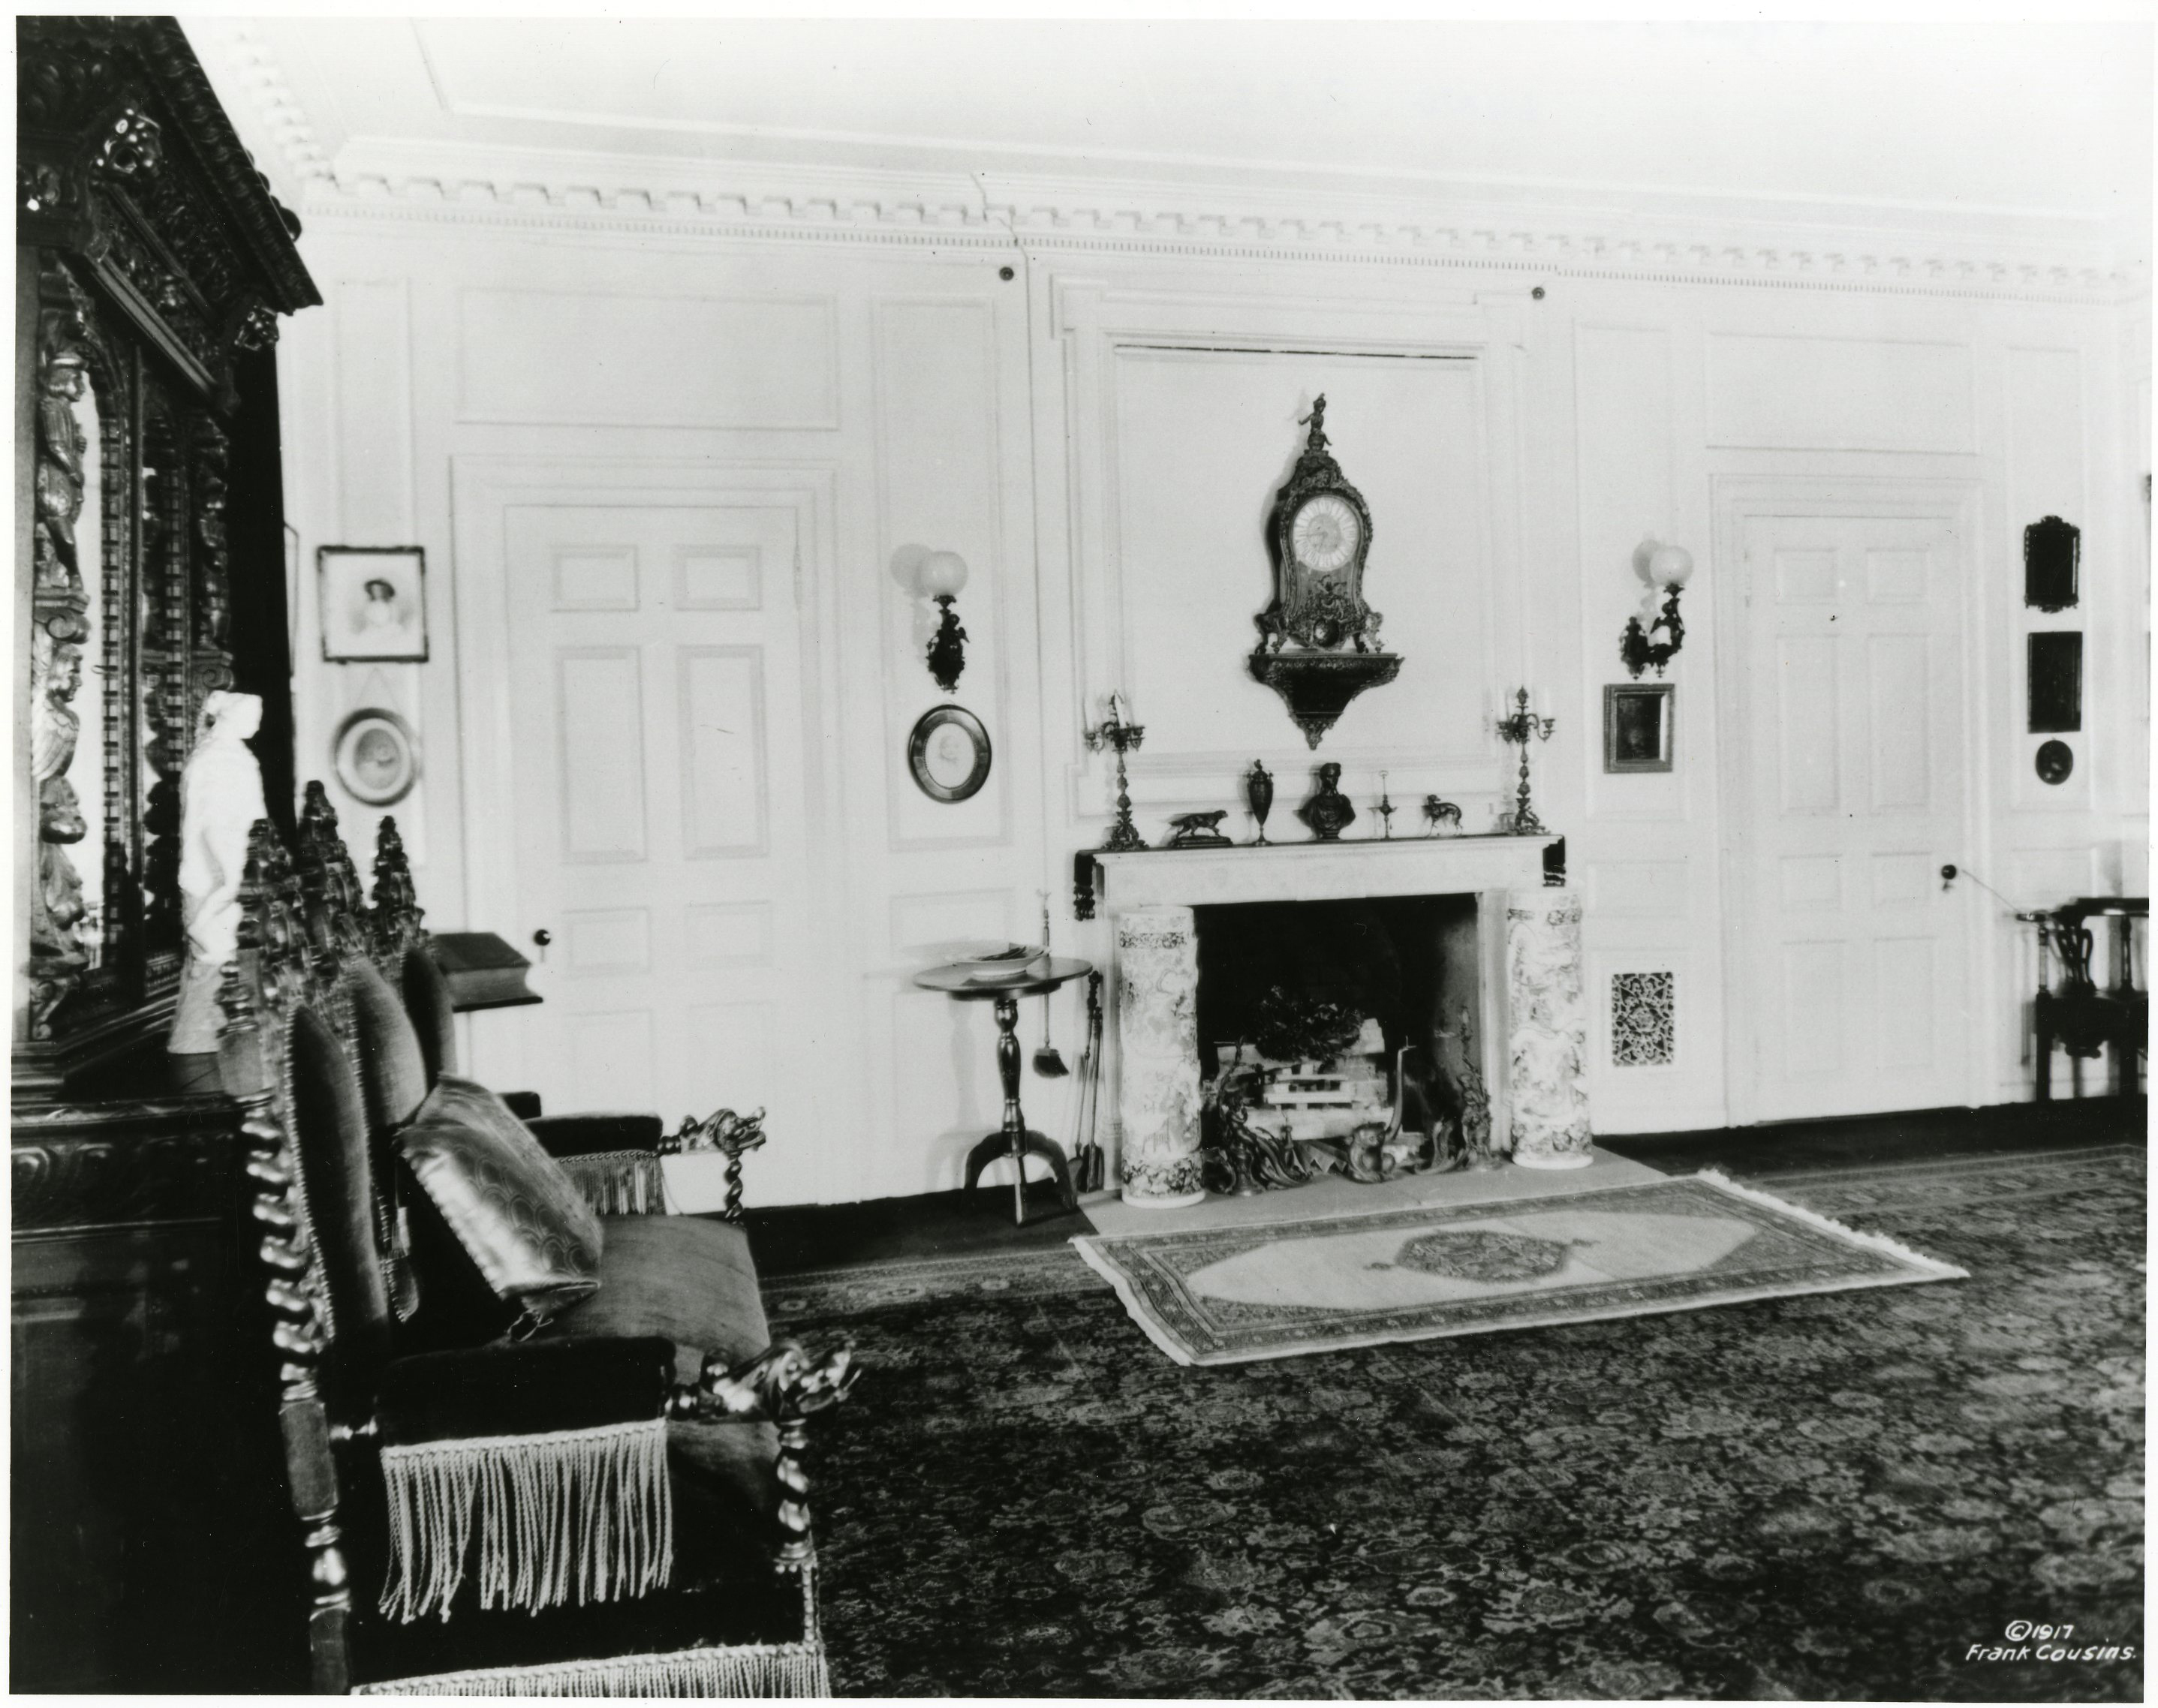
pixel 1321 531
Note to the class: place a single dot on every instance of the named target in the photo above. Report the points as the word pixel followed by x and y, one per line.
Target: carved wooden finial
pixel 398 916
pixel 337 906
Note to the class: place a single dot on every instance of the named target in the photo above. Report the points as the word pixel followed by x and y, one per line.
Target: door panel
pixel 1852 679
pixel 656 696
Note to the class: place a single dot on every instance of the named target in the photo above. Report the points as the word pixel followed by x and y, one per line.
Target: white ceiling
pixel 2036 123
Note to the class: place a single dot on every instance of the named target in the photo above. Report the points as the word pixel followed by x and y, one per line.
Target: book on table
pixel 482 970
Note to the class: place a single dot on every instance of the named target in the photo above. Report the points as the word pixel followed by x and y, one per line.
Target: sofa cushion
pixel 682 1277
pixel 514 1212
pixel 393 1071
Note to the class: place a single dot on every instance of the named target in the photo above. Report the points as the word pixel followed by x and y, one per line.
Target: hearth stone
pixel 1158 1047
pixel 1547 1044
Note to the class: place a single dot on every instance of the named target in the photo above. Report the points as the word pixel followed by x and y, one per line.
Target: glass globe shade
pixel 942 574
pixel 1669 566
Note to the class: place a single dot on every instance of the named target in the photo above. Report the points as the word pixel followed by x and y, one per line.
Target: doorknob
pixel 542 938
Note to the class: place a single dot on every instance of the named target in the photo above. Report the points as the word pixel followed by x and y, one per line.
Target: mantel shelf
pixel 1318 871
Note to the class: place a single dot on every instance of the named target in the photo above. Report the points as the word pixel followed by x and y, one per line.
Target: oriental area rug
pixel 1228 1295
pixel 1839 1496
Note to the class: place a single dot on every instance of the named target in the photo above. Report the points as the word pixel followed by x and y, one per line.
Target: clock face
pixel 1326 534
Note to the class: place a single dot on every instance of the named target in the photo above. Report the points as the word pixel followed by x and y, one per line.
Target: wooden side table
pixel 1014 1138
pixel 2079 1016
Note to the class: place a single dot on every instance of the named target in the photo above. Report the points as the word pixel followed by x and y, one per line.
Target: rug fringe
pixel 619 1182
pixel 1879 1242
pixel 750 1669
pixel 1120 1282
pixel 587 1512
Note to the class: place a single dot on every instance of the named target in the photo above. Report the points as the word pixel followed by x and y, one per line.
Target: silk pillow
pixel 519 1218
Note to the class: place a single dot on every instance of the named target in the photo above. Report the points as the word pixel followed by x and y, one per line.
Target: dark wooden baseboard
pixel 1846 1141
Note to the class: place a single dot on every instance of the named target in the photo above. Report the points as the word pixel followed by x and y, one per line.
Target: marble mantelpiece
pixel 1495 869
pixel 1321 871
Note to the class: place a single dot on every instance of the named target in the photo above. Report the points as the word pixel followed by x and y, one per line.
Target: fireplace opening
pixel 1337 1027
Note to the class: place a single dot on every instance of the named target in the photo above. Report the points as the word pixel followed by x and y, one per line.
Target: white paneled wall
pixel 1100 437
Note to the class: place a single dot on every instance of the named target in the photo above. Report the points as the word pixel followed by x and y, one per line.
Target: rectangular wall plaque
pixel 2056 682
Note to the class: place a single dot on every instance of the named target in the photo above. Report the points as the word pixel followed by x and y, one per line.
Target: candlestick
pixel 1113 732
pixel 1522 726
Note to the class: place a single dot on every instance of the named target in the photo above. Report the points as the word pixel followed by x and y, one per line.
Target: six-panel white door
pixel 1853 690
pixel 661 826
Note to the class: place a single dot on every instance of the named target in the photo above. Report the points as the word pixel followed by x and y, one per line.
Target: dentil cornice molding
pixel 1648 236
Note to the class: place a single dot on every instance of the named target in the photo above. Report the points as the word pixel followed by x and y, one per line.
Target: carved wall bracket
pixel 1317 686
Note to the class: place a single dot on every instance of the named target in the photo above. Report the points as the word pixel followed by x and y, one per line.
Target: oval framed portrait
pixel 376 758
pixel 949 753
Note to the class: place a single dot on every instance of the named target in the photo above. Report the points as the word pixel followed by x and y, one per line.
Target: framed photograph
pixel 949 753
pixel 374 603
pixel 376 757
pixel 1638 726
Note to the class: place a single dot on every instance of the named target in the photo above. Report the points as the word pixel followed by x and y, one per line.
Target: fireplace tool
pixel 1087 1165
pixel 1047 1061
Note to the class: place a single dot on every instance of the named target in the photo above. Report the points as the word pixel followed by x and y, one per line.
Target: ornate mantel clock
pixel 1319 641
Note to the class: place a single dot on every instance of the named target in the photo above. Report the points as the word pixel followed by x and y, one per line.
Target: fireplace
pixel 1402 969
pixel 1418 929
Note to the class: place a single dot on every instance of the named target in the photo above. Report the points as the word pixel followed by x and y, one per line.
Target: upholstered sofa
pixel 536 1432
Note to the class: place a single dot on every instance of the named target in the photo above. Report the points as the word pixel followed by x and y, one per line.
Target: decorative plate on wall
pixel 376 758
pixel 949 753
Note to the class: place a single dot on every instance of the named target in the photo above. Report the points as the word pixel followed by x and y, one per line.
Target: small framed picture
pixel 949 753
pixel 374 603
pixel 376 757
pixel 1638 726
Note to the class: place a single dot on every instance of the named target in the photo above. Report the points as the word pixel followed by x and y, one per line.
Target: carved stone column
pixel 1547 1042
pixel 1157 1055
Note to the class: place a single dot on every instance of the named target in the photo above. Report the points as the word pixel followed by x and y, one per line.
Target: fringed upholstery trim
pixel 758 1669
pixel 574 1513
pixel 619 1182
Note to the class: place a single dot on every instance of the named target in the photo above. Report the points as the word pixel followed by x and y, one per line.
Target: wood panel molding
pixel 1140 220
pixel 1549 231
pixel 74 1182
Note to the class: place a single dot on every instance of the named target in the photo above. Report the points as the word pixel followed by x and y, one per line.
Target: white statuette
pixel 220 799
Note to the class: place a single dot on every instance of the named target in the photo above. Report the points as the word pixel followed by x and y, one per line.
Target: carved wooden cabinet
pixel 152 265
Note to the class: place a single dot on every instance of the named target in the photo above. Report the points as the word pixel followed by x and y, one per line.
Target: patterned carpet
pixel 1844 1496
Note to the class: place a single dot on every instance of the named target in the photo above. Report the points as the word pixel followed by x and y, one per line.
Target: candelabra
pixel 1522 726
pixel 1384 810
pixel 1113 732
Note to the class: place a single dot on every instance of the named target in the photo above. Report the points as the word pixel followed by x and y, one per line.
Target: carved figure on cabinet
pixel 61 379
pixel 56 671
pixel 220 799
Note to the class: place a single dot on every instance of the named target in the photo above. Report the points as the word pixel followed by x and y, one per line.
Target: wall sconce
pixel 941 576
pixel 1668 567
